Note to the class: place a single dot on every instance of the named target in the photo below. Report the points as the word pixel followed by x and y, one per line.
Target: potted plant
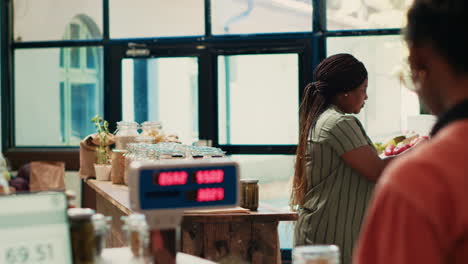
pixel 102 165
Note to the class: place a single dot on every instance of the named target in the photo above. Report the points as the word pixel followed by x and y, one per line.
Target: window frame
pixel 310 47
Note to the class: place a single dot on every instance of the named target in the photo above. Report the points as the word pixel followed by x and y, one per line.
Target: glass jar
pixel 101 229
pixel 82 235
pixel 316 254
pixel 249 194
pixel 137 235
pixel 126 132
pixel 129 157
pixel 153 129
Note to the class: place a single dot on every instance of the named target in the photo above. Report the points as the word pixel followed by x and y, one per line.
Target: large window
pixel 228 71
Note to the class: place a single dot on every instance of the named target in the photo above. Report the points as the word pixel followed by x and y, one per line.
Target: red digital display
pixel 210 194
pixel 209 176
pixel 169 178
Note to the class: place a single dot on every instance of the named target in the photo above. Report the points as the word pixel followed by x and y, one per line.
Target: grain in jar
pixel 153 129
pixel 126 133
pixel 137 234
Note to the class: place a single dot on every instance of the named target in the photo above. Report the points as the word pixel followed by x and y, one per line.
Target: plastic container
pixel 316 254
pixel 126 132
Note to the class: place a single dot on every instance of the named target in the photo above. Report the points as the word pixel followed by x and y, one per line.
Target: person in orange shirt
pixel 419 212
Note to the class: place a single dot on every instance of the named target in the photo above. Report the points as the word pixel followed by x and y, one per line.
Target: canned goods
pixel 249 194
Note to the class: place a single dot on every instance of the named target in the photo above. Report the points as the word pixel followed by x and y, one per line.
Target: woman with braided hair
pixel 336 163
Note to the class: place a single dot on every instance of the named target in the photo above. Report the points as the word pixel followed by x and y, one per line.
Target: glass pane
pixel 274 174
pixel 165 90
pixel 389 104
pixel 261 16
pixel 358 14
pixel 48 19
pixel 251 89
pixel 155 18
pixel 54 104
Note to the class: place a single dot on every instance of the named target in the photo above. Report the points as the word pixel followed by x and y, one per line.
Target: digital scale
pixel 164 189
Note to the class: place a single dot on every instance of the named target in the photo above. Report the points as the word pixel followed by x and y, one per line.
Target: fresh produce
pixel 389 150
pixel 398 144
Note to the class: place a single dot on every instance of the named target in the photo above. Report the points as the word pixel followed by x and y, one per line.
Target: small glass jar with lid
pixel 249 194
pixel 316 254
pixel 82 235
pixel 153 129
pixel 101 229
pixel 137 235
pixel 126 132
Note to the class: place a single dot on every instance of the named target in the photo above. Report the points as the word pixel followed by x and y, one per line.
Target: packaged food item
pixel 316 254
pixel 249 194
pixel 137 234
pixel 126 132
pixel 118 166
pixel 82 235
pixel 101 229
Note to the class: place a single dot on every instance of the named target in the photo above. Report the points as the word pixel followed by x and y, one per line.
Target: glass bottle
pixel 126 132
pixel 82 235
pixel 153 129
pixel 129 157
pixel 101 229
pixel 137 235
pixel 249 194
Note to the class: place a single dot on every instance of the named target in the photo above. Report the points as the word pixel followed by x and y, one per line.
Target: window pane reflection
pixel 165 90
pixel 55 101
pixel 366 14
pixel 258 99
pixel 261 16
pixel 156 18
pixel 48 19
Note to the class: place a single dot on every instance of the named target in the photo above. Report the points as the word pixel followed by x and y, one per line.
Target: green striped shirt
pixel 337 195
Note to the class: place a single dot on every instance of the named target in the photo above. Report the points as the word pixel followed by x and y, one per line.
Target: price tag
pixel 34 229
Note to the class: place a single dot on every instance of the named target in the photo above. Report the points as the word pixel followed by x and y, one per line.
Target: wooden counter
pixel 250 236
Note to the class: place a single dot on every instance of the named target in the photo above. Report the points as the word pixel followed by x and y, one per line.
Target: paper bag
pixel 47 175
pixel 88 154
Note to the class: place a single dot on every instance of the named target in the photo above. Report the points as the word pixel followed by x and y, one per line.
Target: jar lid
pixel 249 181
pixel 80 213
pixel 152 123
pixel 70 194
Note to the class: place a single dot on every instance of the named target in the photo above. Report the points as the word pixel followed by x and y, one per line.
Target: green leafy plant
pixel 102 150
